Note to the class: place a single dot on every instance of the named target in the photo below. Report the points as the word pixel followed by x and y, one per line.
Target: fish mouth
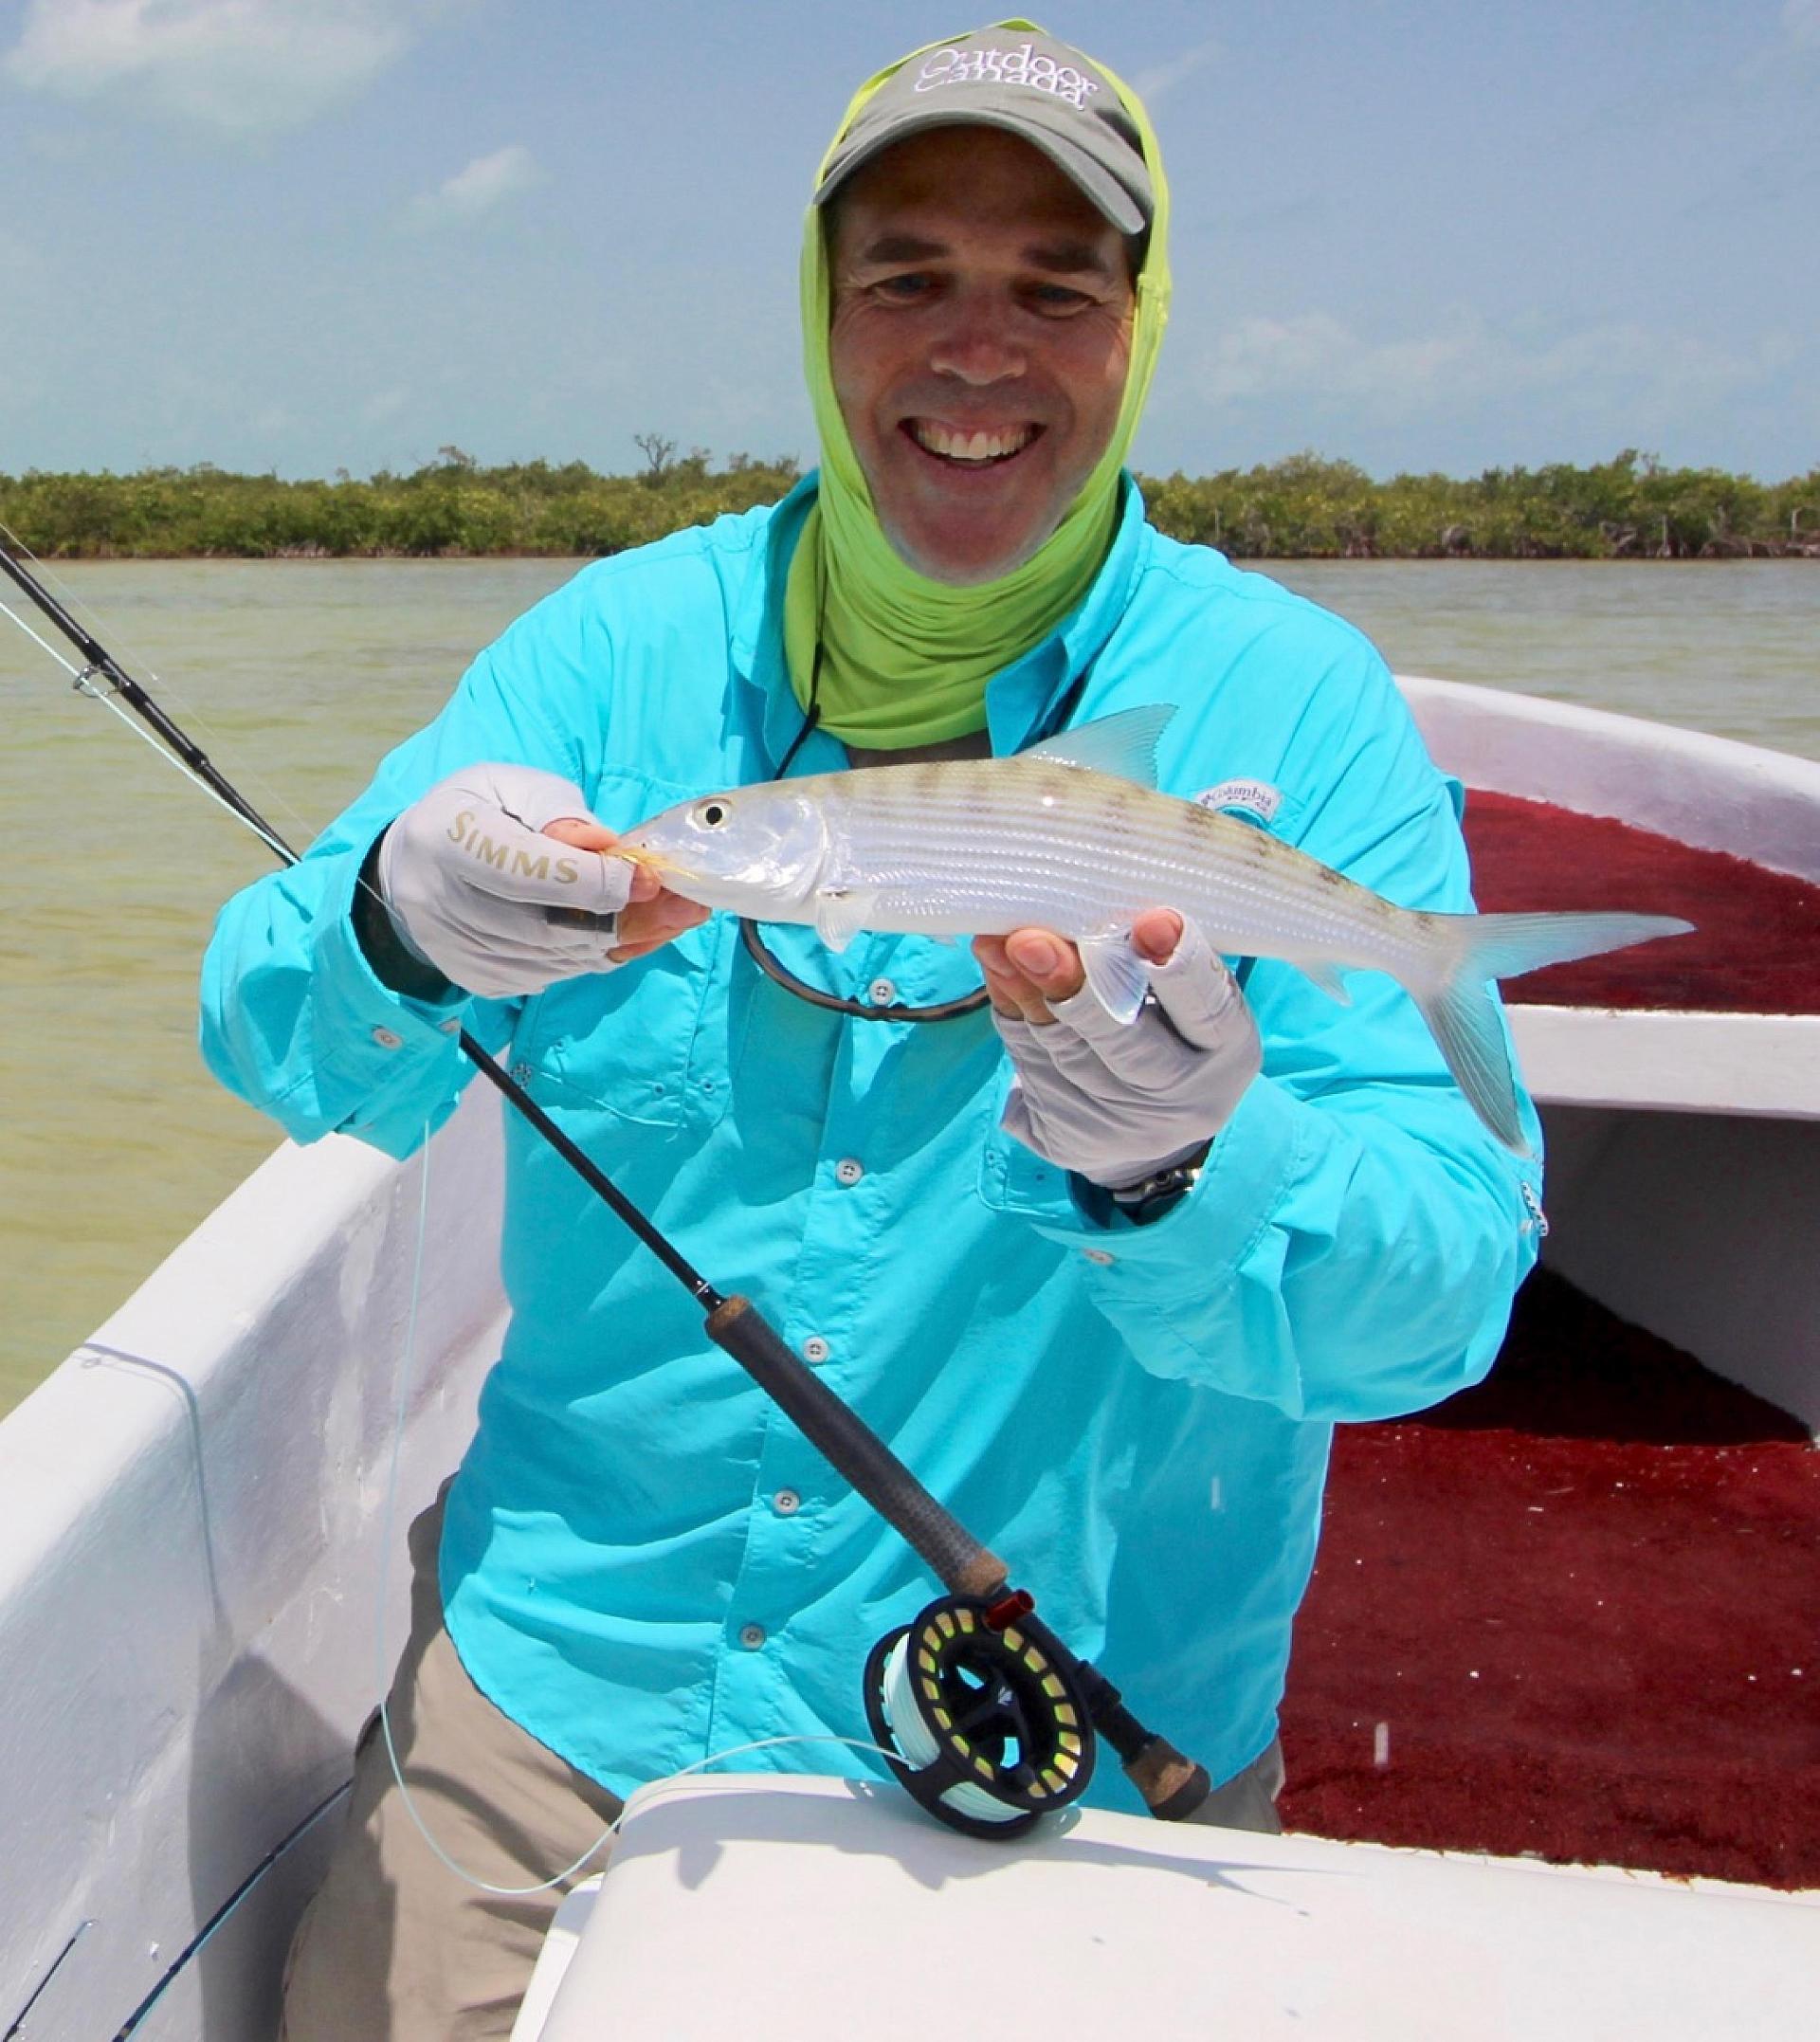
pixel 648 860
pixel 688 882
pixel 971 447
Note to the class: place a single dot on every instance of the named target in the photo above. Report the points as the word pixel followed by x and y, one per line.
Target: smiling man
pixel 1106 1289
pixel 979 360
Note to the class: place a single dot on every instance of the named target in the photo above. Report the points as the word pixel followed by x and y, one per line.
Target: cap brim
pixel 1092 179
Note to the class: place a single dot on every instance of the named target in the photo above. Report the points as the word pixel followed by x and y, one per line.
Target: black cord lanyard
pixel 780 974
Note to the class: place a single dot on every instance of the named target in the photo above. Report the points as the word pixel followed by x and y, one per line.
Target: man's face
pixel 981 332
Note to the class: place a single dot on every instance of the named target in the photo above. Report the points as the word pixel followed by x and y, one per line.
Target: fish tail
pixel 1464 1018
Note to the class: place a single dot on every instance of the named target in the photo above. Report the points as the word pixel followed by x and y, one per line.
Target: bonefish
pixel 1073 836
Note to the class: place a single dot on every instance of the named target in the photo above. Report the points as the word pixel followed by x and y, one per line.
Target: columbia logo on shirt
pixel 1020 67
pixel 1256 798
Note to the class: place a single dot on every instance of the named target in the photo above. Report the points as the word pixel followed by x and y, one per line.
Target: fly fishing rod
pixel 991 1717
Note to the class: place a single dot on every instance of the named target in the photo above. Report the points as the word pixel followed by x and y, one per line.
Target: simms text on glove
pixel 468 878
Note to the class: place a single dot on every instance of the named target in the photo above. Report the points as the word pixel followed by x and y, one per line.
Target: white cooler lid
pixel 782 1907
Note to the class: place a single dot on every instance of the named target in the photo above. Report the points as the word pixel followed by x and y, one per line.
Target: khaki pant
pixel 395 1947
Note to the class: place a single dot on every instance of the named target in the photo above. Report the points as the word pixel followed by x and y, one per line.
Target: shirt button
pixel 387 1038
pixel 752 1636
pixel 785 1502
pixel 451 1028
pixel 1099 1255
pixel 815 1348
pixel 849 1170
pixel 882 993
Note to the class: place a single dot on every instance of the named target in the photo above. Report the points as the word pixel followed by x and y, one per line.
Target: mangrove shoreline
pixel 1304 507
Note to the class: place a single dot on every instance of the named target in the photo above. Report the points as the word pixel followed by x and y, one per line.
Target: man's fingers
pixel 1033 971
pixel 647 924
pixel 1011 993
pixel 582 832
pixel 1196 993
pixel 587 834
pixel 1049 963
pixel 989 954
pixel 1155 934
pixel 1013 999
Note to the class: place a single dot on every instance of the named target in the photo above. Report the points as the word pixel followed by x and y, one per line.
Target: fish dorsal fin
pixel 1123 746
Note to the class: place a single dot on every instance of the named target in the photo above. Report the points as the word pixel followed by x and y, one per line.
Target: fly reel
pixel 985 1713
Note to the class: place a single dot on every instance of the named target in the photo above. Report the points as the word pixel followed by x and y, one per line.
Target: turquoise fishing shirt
pixel 644 1562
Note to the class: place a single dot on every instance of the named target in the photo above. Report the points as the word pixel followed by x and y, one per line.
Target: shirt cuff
pixel 376 1046
pixel 1241 1186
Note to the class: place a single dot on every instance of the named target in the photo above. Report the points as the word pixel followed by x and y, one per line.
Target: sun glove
pixel 469 881
pixel 1116 1103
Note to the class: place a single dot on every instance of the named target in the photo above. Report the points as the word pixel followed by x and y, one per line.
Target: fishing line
pixel 382 1658
pixel 84 680
pixel 917 1742
pixel 71 601
pixel 67 666
pixel 221 1917
pixel 387 1521
pixel 78 609
pixel 195 779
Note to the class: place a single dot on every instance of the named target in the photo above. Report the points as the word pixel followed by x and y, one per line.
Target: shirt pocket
pixel 649 1044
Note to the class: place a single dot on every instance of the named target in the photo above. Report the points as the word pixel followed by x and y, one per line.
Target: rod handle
pixel 1173 1786
pixel 850 1446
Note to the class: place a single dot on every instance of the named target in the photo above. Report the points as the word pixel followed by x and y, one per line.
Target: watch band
pixel 1154 1195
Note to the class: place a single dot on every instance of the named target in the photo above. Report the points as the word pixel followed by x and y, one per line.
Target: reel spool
pixel 984 1708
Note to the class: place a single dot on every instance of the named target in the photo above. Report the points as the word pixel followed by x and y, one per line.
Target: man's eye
pixel 1058 298
pixel 912 284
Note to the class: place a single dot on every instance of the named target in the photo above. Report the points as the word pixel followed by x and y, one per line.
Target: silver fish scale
pixel 980 848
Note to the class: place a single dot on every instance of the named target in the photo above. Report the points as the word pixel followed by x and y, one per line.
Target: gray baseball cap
pixel 1011 76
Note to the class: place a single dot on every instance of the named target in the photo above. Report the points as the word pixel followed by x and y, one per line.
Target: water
pixel 114 1141
pixel 1732 648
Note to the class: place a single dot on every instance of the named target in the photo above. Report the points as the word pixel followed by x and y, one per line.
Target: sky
pixel 304 235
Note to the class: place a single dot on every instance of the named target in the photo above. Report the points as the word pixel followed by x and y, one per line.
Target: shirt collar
pixel 1020 701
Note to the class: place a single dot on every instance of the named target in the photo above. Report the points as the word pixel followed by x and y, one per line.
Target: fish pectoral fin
pixel 1116 973
pixel 840 912
pixel 1327 978
pixel 1123 746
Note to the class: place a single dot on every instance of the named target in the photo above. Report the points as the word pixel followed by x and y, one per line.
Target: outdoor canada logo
pixel 1020 67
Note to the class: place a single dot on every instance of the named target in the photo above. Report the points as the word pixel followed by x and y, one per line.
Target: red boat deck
pixel 1583 1603
pixel 1755 946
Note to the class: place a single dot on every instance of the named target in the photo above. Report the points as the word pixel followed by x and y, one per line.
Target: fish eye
pixel 711 814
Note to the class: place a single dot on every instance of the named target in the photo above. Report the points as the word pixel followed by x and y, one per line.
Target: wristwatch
pixel 1162 1191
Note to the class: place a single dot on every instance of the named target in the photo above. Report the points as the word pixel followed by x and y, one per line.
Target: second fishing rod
pixel 993 1716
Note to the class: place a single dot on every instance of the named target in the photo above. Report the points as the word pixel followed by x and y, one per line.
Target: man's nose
pixel 977 344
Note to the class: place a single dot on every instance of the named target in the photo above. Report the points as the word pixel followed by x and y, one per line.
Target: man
pixel 1105 1289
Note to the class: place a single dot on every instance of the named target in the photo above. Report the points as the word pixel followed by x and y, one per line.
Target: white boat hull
pixel 190 1574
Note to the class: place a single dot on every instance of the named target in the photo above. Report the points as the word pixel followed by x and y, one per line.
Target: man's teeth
pixel 971 446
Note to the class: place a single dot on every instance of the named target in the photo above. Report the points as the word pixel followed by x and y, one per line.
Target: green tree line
pixel 1304 507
